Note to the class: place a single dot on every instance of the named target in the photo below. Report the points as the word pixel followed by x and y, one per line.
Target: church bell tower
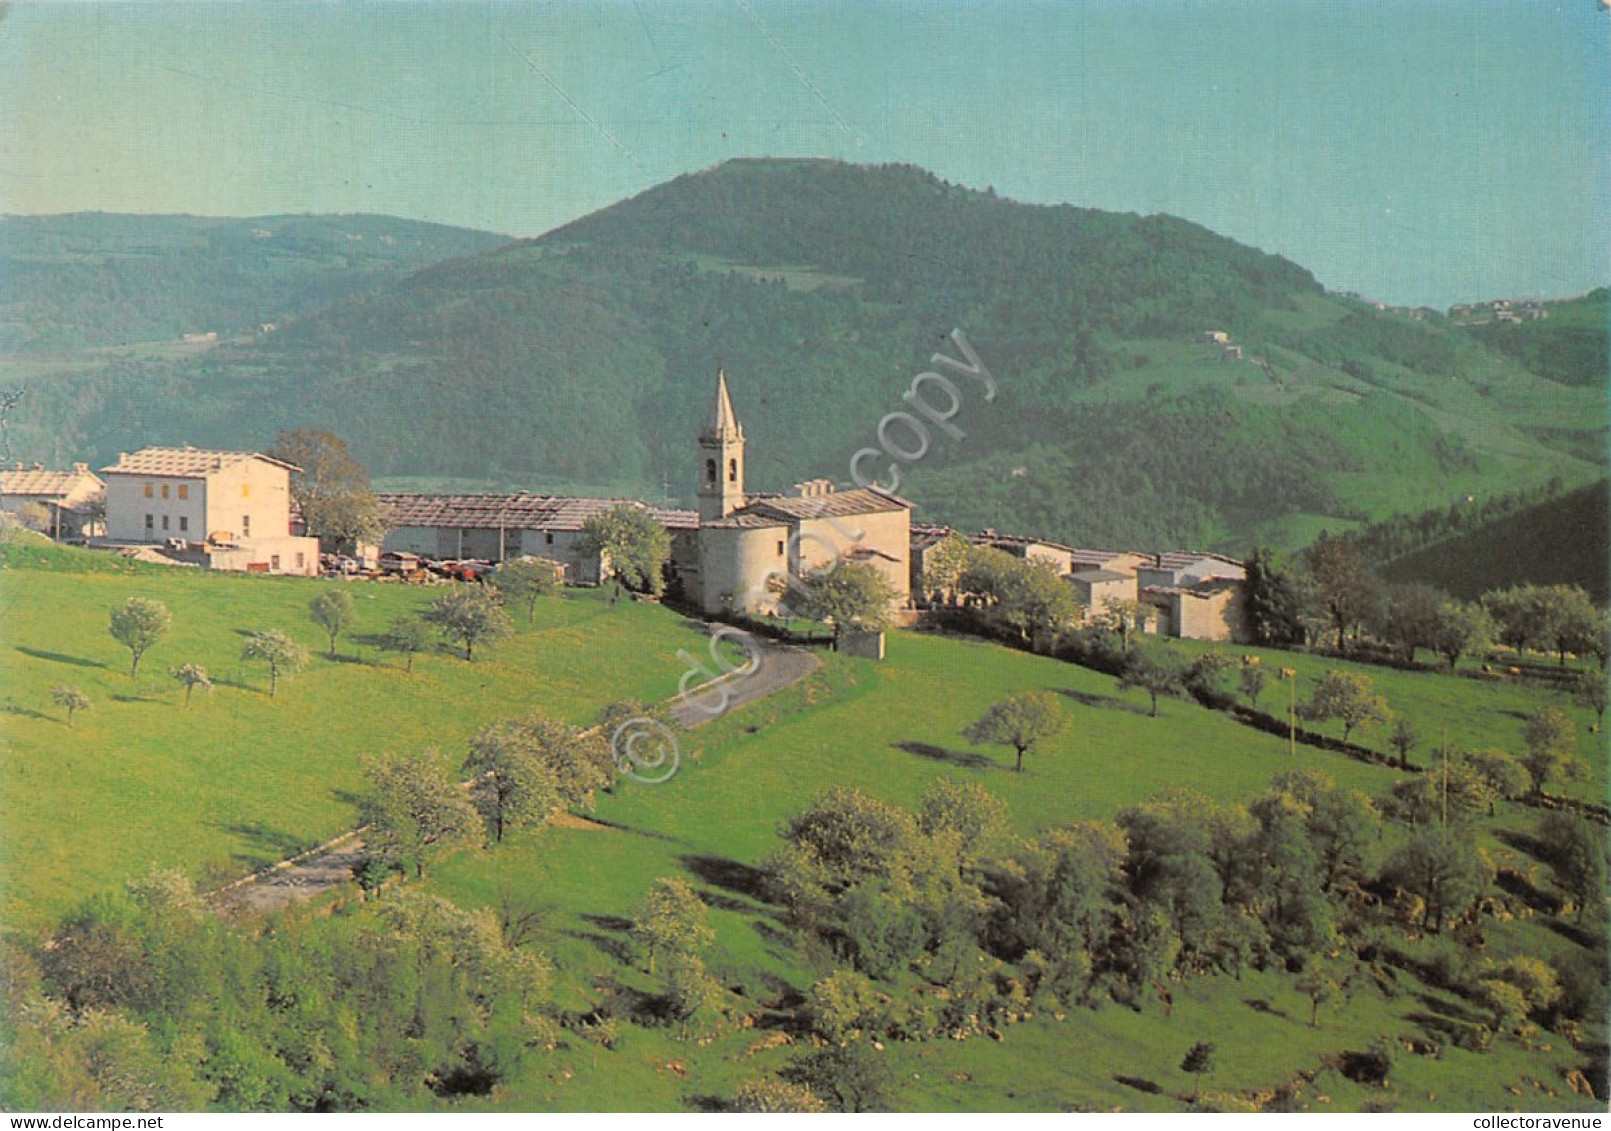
pixel 721 458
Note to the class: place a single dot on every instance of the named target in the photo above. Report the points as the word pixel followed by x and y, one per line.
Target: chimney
pixel 81 468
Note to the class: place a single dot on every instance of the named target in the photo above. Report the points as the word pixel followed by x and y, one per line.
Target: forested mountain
pixel 587 357
pixel 98 279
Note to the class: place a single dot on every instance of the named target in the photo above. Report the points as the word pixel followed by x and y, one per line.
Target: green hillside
pixel 96 279
pixel 1562 541
pixel 1567 345
pixel 586 358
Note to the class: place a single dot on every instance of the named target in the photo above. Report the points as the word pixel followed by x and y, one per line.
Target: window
pixel 710 473
pixel 274 562
pixel 780 547
pixel 301 561
pixel 732 471
pixel 184 523
pixel 184 490
pixel 548 538
pixel 164 522
pixel 150 523
pixel 246 525
pixel 164 490
pixel 149 491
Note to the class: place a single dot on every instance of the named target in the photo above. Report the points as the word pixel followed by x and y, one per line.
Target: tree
pixel 1343 583
pixel 1020 722
pixel 1349 697
pixel 527 579
pixel 1575 849
pixel 332 611
pixel 70 699
pixel 405 636
pixel 36 517
pixel 672 919
pixel 633 547
pixel 413 809
pixel 1403 739
pixel 1499 777
pixel 854 1076
pixel 1154 672
pixel 1027 597
pixel 1126 617
pixel 1444 869
pixel 1251 680
pixel 965 810
pixel 849 595
pixel 943 566
pixel 471 615
pixel 1199 1061
pixel 1411 617
pixel 283 655
pixel 331 488
pixel 1463 628
pixel 690 989
pixel 1319 984
pixel 515 784
pixel 1273 603
pixel 1551 741
pixel 192 676
pixel 1590 692
pixel 137 624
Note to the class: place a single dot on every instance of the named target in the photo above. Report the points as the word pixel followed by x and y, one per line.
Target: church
pixel 746 544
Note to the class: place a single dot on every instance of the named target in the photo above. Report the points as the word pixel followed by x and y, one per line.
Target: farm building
pixel 70 497
pixel 221 510
pixel 498 527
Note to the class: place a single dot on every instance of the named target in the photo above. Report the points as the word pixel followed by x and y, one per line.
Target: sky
pixel 1414 151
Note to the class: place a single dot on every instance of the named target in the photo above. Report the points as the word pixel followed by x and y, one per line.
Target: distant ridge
pixel 1159 384
pixel 1563 541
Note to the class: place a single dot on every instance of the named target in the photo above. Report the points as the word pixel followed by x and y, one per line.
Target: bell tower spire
pixel 721 458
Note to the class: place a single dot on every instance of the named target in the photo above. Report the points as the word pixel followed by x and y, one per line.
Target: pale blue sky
pixel 1414 150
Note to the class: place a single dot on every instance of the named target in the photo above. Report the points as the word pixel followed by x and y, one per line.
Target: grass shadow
pixel 963 758
pixel 134 699
pixel 1139 1084
pixel 265 845
pixel 729 876
pixel 616 949
pixel 1102 702
pixel 1261 1005
pixel 24 712
pixel 60 658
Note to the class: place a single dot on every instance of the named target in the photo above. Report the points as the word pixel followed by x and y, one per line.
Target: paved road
pixel 780 666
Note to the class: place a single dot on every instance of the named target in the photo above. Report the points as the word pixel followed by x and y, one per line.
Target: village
pixel 236 511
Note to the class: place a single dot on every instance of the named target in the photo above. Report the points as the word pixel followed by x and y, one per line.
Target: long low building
pixel 499 527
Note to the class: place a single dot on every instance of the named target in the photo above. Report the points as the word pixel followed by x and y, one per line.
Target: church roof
pixel 722 424
pixel 834 504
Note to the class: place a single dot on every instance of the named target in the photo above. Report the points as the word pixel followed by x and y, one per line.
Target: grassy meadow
pixel 239 780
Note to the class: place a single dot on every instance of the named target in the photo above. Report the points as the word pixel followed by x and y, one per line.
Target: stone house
pixel 221 510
